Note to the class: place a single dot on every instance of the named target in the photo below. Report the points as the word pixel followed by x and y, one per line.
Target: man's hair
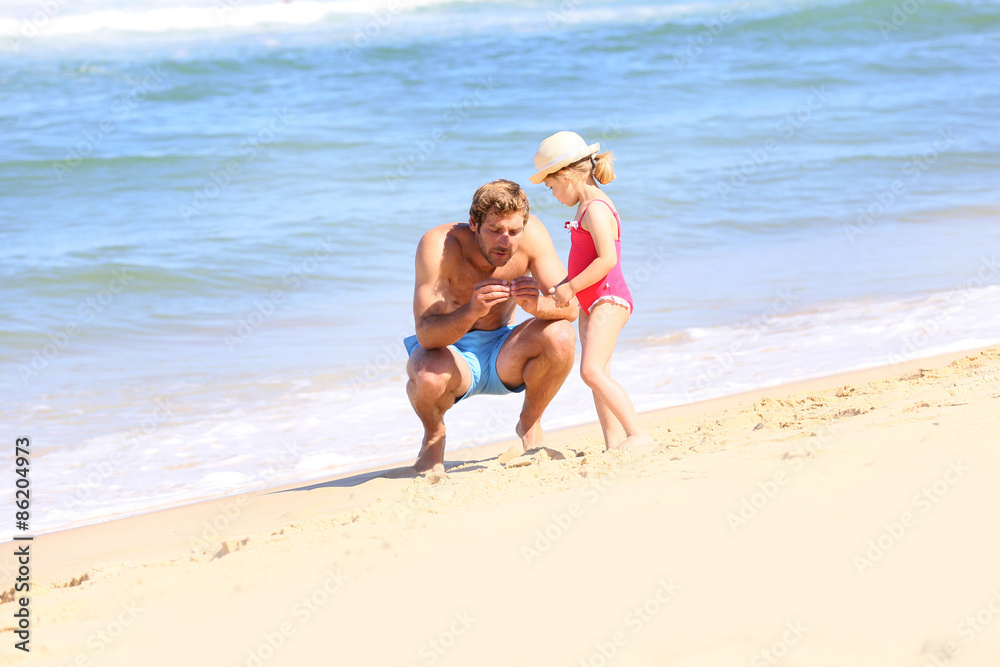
pixel 500 197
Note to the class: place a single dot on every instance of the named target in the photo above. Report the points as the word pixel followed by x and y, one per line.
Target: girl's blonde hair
pixel 601 166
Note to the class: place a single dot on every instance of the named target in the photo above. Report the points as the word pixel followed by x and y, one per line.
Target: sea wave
pixel 55 18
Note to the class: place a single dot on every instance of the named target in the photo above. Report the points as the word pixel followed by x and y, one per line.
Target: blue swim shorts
pixel 480 350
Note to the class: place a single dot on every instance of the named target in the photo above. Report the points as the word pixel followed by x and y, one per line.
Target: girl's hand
pixel 562 293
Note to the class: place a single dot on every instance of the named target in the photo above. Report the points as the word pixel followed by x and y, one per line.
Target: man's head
pixel 497 217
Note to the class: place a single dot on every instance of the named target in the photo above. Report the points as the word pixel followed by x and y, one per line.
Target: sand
pixel 844 521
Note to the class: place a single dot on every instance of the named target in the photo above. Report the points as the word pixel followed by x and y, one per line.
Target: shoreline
pixel 204 438
pixel 587 433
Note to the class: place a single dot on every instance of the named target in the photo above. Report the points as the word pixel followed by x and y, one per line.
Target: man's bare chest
pixel 459 287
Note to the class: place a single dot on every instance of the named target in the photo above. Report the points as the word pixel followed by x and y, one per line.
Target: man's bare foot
pixel 431 456
pixel 531 439
pixel 640 443
pixel 421 467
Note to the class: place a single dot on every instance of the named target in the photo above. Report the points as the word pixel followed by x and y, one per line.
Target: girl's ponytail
pixel 604 170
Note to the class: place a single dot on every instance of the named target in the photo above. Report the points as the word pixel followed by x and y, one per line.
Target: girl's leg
pixel 602 327
pixel 614 434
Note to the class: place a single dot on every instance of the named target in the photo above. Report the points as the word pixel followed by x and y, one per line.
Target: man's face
pixel 499 237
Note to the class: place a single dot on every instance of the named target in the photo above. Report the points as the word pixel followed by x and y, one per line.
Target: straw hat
pixel 559 150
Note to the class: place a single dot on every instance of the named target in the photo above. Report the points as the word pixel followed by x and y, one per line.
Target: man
pixel 469 278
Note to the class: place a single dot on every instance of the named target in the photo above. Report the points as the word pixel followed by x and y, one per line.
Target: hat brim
pixel 563 161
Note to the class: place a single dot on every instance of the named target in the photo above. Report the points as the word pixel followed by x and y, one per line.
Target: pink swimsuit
pixel 582 252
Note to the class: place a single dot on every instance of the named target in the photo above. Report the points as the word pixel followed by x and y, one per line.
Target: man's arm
pixel 436 256
pixel 548 271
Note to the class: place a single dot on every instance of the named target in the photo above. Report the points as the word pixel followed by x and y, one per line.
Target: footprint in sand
pixel 537 455
pixel 511 454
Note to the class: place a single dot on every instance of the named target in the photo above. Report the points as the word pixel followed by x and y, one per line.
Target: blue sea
pixel 208 212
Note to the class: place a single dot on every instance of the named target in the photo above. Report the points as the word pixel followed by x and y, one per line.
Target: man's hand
pixel 562 294
pixel 488 293
pixel 526 290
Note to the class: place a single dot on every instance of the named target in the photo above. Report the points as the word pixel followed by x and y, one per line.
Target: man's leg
pixel 437 378
pixel 538 354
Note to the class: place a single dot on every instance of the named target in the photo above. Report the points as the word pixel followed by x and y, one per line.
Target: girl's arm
pixel 546 269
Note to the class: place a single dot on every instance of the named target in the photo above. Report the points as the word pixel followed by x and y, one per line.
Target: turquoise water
pixel 208 214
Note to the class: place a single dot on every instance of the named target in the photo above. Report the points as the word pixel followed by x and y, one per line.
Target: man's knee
pixel 560 339
pixel 431 372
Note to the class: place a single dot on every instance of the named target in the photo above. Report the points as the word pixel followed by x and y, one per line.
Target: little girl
pixel 569 167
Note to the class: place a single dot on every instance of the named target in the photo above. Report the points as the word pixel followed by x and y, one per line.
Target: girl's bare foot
pixel 640 443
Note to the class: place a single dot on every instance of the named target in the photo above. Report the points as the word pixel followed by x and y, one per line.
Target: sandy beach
pixel 842 521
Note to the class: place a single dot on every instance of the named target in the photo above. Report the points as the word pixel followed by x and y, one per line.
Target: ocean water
pixel 208 212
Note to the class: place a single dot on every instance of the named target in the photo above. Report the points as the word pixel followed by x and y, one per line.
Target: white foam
pixel 329 461
pixel 223 480
pixel 54 18
pixel 58 20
